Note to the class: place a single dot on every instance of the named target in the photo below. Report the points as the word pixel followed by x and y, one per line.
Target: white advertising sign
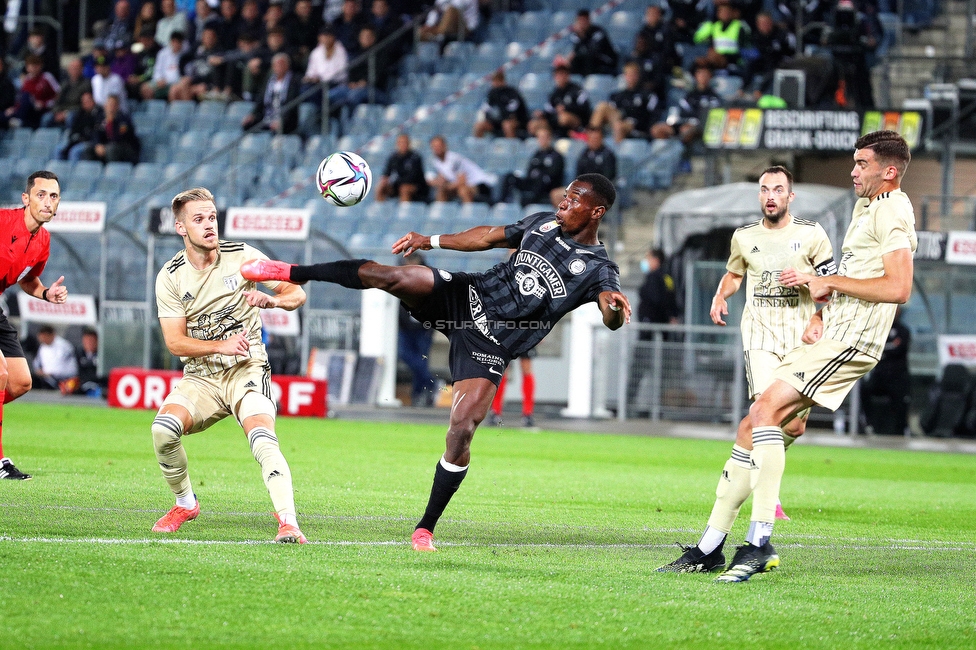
pixel 280 322
pixel 267 223
pixel 78 310
pixel 961 247
pixel 79 216
pixel 957 348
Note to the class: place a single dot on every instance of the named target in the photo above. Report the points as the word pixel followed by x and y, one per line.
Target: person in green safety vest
pixel 726 37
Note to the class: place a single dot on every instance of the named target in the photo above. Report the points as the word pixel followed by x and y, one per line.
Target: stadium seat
pixel 154 107
pixel 285 151
pixel 473 214
pixel 560 20
pixel 146 172
pixel 530 26
pixel 535 81
pixel 117 169
pixel 60 167
pixel 599 86
pixel 45 141
pixel 727 86
pixel 109 186
pixel 532 208
pixel 90 169
pixel 443 212
pixel 77 187
pixel 211 108
pixel 502 214
pixel 236 111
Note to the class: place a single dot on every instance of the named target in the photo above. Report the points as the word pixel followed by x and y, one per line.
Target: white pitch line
pixel 201 542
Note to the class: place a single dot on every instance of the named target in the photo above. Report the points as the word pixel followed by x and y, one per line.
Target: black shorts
pixel 9 340
pixel 448 309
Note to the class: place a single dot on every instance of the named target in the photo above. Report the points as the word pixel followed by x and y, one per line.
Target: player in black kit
pixel 491 317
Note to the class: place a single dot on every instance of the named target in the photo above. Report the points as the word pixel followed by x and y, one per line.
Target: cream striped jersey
pixel 213 303
pixel 775 316
pixel 878 227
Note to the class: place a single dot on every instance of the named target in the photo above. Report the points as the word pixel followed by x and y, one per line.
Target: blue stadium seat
pixel 599 86
pixel 15 142
pixel 109 186
pixel 45 142
pixel 530 26
pixel 90 169
pixel 532 208
pixel 77 187
pixel 284 151
pixel 727 86
pixel 473 214
pixel 560 19
pixel 211 108
pixel 147 172
pixel 443 212
pixel 503 214
pixel 236 111
pixel 118 169
pixel 535 81
pixel 60 167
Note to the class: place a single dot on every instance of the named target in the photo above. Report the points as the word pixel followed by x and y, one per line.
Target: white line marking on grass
pixel 892 546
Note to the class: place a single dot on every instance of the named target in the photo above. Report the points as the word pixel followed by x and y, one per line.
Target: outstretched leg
pixel 472 398
pixel 411 283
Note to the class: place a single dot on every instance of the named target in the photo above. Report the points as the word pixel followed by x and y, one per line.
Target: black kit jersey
pixel 548 276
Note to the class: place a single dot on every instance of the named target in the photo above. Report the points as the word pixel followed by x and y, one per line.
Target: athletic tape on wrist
pixel 435 241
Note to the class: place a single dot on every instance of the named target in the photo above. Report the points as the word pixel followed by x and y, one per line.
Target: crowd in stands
pixel 663 76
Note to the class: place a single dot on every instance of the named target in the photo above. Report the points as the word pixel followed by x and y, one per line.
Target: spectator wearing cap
pixel 38 92
pixel 106 83
pixel 98 50
pixel 328 61
pixel 568 107
pixel 73 85
pixel 172 21
pixel 593 52
pixel 166 71
pixel 281 88
pixel 120 30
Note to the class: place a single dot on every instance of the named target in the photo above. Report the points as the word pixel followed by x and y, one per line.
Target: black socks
pixel 446 483
pixel 344 273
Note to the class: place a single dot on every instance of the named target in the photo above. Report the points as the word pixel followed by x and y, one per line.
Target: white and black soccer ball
pixel 344 178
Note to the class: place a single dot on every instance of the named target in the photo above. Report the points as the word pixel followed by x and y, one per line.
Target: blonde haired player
pixel 210 318
pixel 773 323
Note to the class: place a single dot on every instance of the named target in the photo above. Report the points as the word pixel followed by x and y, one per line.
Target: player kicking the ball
pixel 210 319
pixel 491 317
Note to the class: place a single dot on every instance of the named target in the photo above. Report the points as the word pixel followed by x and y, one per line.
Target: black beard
pixel 776 217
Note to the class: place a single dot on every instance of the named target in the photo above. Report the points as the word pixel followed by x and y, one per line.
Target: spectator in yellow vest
pixel 726 37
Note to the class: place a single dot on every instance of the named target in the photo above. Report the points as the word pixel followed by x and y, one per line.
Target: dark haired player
pixel 491 317
pixel 846 337
pixel 24 251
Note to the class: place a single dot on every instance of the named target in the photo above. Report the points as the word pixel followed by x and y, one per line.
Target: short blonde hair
pixel 181 199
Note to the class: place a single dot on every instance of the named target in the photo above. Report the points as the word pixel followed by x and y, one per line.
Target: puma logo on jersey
pixel 187 297
pixel 799 375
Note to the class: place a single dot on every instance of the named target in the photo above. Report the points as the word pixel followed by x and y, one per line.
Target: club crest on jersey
pixel 542 272
pixel 577 266
pixel 546 227
pixel 795 245
pixel 231 281
pixel 445 274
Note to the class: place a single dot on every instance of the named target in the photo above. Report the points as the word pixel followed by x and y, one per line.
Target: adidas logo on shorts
pixel 798 375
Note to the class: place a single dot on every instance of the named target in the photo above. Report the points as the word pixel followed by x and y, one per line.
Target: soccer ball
pixel 344 179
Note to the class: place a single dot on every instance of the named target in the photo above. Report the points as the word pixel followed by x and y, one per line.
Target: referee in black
pixel 491 317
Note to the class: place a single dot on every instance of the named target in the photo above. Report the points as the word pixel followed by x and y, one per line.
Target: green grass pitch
pixel 550 543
